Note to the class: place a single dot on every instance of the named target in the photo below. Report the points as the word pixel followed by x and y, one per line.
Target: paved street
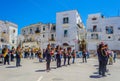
pixel 32 70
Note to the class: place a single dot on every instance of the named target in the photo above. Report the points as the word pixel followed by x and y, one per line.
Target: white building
pixel 101 29
pixel 38 35
pixel 68 27
pixel 8 34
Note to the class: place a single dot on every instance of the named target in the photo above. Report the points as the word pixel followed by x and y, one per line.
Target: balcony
pixel 37 31
pixel 52 39
pixel 80 25
pixel 91 30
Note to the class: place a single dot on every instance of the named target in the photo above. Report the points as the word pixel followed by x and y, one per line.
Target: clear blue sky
pixel 25 12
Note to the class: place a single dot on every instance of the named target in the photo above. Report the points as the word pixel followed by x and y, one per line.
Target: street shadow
pixel 64 65
pixel 36 62
pixel 1 62
pixel 96 65
pixel 41 70
pixel 108 74
pixel 11 67
pixel 95 76
pixel 97 68
pixel 96 73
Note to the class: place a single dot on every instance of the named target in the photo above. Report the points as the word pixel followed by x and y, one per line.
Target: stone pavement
pixel 32 70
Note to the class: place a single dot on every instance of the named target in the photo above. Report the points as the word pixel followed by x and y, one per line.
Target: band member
pixel 48 57
pixel 73 56
pixel 18 56
pixel 5 55
pixel 69 56
pixel 65 56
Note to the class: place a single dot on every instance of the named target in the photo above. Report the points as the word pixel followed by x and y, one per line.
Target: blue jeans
pixel 73 60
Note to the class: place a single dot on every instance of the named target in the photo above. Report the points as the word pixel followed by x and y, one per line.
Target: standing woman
pixel 48 57
pixel 18 56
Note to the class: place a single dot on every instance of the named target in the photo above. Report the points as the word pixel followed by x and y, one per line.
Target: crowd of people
pixel 49 54
pixel 59 55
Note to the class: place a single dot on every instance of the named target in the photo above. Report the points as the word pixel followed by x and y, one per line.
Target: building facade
pixel 68 27
pixel 38 35
pixel 101 29
pixel 8 34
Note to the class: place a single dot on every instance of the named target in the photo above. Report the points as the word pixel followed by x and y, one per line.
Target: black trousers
pixel 64 60
pixel 6 59
pixel 69 60
pixel 18 61
pixel 84 59
pixel 12 57
pixel 58 62
pixel 48 64
pixel 102 67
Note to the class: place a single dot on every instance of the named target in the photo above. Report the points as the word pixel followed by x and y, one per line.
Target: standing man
pixel 5 55
pixel 12 53
pixel 48 57
pixel 64 56
pixel 102 58
pixel 73 56
pixel 58 58
pixel 18 56
pixel 69 56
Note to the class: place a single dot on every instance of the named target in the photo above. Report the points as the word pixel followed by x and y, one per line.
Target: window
pixel 65 20
pixel 4 32
pixel 119 39
pixel 53 28
pixel 109 37
pixel 52 37
pixel 94 36
pixel 31 31
pixel 109 30
pixel 13 41
pixel 43 36
pixel 43 28
pixel 94 18
pixel 2 40
pixel 23 32
pixel 118 28
pixel 14 31
pixel 94 28
pixel 37 30
pixel 65 33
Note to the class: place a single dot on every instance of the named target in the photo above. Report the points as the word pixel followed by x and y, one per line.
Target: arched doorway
pixel 67 46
